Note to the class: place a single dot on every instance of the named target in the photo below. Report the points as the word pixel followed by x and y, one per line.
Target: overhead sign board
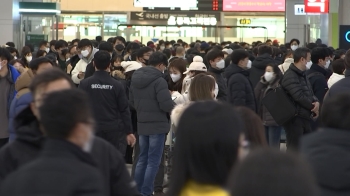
pixel 245 21
pixel 165 3
pixel 254 5
pixel 299 9
pixel 316 6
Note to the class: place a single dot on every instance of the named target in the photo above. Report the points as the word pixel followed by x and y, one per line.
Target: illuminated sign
pixel 299 9
pixel 254 5
pixel 316 6
pixel 177 18
pixel 344 37
pixel 165 3
pixel 245 21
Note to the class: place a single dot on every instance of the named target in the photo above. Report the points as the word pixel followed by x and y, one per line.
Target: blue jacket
pixel 14 75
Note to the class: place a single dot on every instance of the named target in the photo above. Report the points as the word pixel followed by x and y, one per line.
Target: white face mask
pixel 47 50
pixel 175 77
pixel 85 53
pixel 15 57
pixel 29 58
pixel 88 145
pixel 327 64
pixel 162 47
pixel 294 47
pixel 268 76
pixel 249 65
pixel 308 65
pixel 220 64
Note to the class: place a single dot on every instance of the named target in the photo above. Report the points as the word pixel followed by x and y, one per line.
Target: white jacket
pixel 334 79
pixel 81 67
pixel 285 66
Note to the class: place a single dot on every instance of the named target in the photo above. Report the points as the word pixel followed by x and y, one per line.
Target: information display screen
pixel 165 3
pixel 254 5
pixel 198 5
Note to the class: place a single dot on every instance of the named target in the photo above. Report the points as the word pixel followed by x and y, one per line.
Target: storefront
pixel 266 13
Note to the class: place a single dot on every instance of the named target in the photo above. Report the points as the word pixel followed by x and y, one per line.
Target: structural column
pixel 9 21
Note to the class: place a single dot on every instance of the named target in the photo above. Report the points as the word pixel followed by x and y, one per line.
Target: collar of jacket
pixel 318 68
pixel 347 73
pixel 296 70
pixel 63 148
pixel 102 73
pixel 218 71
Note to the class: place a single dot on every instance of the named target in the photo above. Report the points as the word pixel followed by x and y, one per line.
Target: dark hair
pixel 40 53
pixel 318 53
pixel 202 87
pixel 120 38
pixel 213 54
pixel 12 50
pixel 195 151
pixel 142 51
pixel 292 40
pixel 265 167
pixel 14 61
pixel 102 60
pixel 179 64
pixel 265 49
pixel 83 43
pixel 25 50
pixel 311 46
pixel 238 55
pixel 53 42
pixel 5 54
pixel 53 58
pixel 106 46
pixel 334 110
pixel 98 38
pixel 111 40
pixel 158 58
pixel 132 46
pixel 43 43
pixel 11 44
pixel 347 59
pixel 254 129
pixel 48 76
pixel 35 63
pixel 235 47
pixel 59 117
pixel 61 44
pixel 75 40
pixel 300 53
pixel 338 66
pixel 288 53
pixel 338 54
pixel 167 52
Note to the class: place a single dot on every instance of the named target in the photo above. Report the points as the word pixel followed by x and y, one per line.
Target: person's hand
pixel 131 139
pixel 315 110
pixel 69 68
pixel 81 75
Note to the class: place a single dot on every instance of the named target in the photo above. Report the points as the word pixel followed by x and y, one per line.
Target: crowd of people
pixel 74 113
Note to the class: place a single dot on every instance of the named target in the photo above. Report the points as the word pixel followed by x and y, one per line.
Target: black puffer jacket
pixel 328 152
pixel 261 90
pixel 239 89
pixel 296 84
pixel 152 101
pixel 220 80
pixel 317 77
pixel 259 66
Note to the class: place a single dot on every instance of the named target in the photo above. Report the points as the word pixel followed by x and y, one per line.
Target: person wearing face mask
pixel 73 60
pixel 294 44
pixel 87 51
pixel 143 55
pixel 69 138
pixel 239 88
pixel 27 56
pixel 90 68
pixel 299 90
pixel 150 97
pixel 338 72
pixel 30 139
pixel 288 59
pixel 61 48
pixel 119 49
pixel 215 58
pixel 45 46
pixel 269 81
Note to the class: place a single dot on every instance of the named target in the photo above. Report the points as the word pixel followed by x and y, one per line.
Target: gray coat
pixel 150 97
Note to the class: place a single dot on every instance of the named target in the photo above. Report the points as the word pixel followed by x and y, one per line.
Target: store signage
pixel 316 6
pixel 180 18
pixel 344 37
pixel 165 4
pixel 245 21
pixel 254 5
pixel 299 9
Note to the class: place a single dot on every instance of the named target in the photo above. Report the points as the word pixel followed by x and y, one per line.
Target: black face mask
pixel 64 52
pixel 146 61
pixel 119 47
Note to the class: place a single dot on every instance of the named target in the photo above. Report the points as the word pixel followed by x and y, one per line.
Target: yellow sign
pixel 245 21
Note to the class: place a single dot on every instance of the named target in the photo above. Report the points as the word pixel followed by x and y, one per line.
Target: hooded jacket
pixel 259 66
pixel 239 89
pixel 341 86
pixel 152 101
pixel 22 99
pixel 29 143
pixel 334 79
pixel 298 87
pixel 285 66
pixel 81 66
pixel 328 152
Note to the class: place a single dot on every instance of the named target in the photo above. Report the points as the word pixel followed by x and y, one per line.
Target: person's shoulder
pixel 101 145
